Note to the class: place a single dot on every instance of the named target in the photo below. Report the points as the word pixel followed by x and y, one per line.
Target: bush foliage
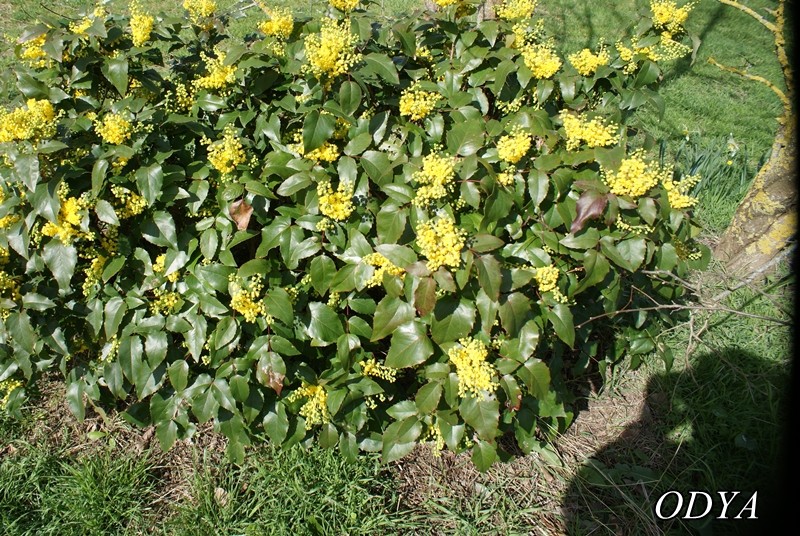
pixel 366 235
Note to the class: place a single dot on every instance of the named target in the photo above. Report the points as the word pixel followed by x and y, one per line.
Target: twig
pixel 784 99
pixel 752 277
pixel 680 307
pixel 770 26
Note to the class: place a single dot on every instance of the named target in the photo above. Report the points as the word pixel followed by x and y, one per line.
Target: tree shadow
pixel 717 426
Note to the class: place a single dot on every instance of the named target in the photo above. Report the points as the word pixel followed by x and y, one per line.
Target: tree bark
pixel 765 222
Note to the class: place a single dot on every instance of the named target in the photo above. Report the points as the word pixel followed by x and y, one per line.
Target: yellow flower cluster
pixel 547 278
pixel 34 122
pixel 69 218
pixel 129 203
pixel 79 27
pixel 33 52
pixel 4 255
pixel 141 25
pixel 7 387
pixel 158 267
pixel 382 266
pixel 435 435
pixel 515 9
pixel 371 367
pixel 339 205
pixel 219 75
pixel 165 302
pixel 280 23
pixel 226 153
pixel 110 350
pixel 677 191
pixel 513 147
pixel 441 242
pixel 593 132
pixel 635 229
pixel 417 103
pixel 109 239
pixel 181 99
pixel 586 62
pixel 114 129
pixel 247 301
pixel 9 220
pixel 9 288
pixel 93 274
pixel 327 152
pixel 541 59
pixel 635 176
pixel 332 52
pixel 445 3
pixel 668 16
pixel 315 410
pixel 423 53
pixel 344 5
pixel 474 373
pixel 510 107
pixel 436 178
pixel 199 8
pixel 668 49
pixel 506 178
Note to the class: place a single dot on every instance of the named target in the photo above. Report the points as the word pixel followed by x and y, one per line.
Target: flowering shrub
pixel 360 234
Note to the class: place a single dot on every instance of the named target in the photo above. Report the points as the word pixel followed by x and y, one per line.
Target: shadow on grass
pixel 714 427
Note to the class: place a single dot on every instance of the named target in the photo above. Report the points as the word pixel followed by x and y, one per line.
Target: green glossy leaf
pixel 489 275
pixel 389 315
pixel 560 317
pixel 484 454
pixel 410 346
pixel 317 129
pixel 482 415
pixel 325 325
pixel 61 260
pixel 382 66
pixel 428 397
pixel 452 320
pixel 116 71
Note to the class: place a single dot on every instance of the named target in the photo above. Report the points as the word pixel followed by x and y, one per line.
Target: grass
pixel 44 492
pixel 712 422
pixel 291 492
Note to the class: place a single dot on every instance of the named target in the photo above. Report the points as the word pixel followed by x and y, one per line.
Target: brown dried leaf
pixel 270 378
pixel 240 212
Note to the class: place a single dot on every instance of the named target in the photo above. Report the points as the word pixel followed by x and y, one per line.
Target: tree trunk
pixel 765 221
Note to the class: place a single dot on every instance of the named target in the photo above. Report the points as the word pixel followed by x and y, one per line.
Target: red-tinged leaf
pixel 240 212
pixel 425 296
pixel 590 205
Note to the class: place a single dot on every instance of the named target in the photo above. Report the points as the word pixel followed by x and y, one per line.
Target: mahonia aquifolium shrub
pixel 338 231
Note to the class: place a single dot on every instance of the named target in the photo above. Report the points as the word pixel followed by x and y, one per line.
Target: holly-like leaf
pixel 561 318
pixel 389 315
pixel 410 346
pixel 115 69
pixel 425 295
pixel 317 129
